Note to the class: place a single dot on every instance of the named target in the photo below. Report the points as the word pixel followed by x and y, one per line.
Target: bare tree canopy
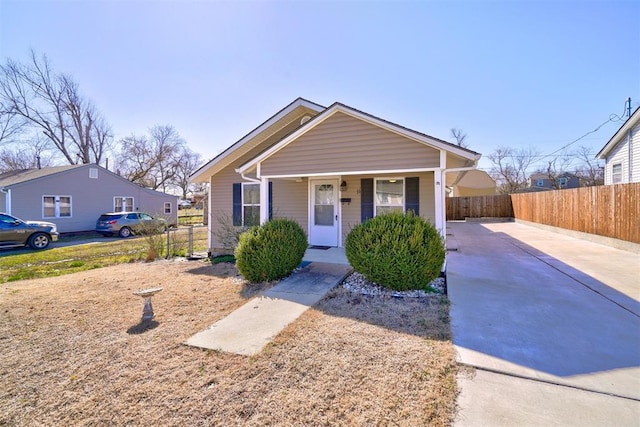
pixel 588 169
pixel 159 160
pixel 29 156
pixel 188 162
pixel 33 97
pixel 511 167
pixel 460 137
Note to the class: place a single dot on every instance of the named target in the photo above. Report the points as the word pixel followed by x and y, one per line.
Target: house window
pixel 93 173
pixel 389 195
pixel 250 204
pixel 562 182
pixel 122 204
pixel 167 207
pixel 540 183
pixel 616 173
pixel 56 206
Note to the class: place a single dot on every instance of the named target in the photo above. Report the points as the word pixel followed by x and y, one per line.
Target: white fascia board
pixel 342 173
pixel 364 117
pixel 631 122
pixel 230 150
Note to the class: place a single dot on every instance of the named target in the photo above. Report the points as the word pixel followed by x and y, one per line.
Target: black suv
pixel 16 232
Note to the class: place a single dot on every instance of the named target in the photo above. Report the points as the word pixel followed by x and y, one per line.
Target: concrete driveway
pixel 551 325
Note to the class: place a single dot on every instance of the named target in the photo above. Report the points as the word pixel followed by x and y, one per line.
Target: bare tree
pixel 151 161
pixel 511 168
pixel 460 137
pixel 187 163
pixel 34 154
pixel 32 94
pixel 588 169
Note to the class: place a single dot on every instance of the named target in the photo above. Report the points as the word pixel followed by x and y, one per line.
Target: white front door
pixel 323 212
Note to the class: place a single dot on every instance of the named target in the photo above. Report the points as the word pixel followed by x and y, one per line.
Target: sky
pixel 523 74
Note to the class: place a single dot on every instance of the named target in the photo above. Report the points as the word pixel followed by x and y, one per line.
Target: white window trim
pixel 124 205
pixel 249 204
pixel 613 181
pixel 56 201
pixel 375 192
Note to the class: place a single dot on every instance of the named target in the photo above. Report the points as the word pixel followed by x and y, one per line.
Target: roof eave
pixel 630 123
pixel 205 170
pixel 338 107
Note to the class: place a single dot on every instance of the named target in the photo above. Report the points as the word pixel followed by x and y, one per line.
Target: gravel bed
pixel 356 283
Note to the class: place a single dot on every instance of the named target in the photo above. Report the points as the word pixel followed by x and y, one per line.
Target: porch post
pixel 438 191
pixel 264 200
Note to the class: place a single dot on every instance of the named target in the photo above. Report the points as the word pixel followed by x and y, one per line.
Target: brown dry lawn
pixel 70 353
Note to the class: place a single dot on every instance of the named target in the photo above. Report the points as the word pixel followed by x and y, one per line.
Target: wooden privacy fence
pixel 459 208
pixel 606 210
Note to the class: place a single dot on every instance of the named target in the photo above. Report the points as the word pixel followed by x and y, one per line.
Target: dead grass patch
pixel 351 360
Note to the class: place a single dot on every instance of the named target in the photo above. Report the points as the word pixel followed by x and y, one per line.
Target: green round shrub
pixel 270 251
pixel 396 250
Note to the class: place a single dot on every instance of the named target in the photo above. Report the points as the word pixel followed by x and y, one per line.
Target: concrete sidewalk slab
pixel 249 328
pixel 489 399
pixel 524 306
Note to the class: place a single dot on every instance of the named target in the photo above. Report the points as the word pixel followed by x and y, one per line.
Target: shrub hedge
pixel 270 251
pixel 396 250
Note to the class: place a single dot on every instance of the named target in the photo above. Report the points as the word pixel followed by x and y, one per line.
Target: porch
pixel 329 255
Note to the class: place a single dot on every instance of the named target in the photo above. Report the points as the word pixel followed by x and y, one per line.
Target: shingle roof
pixel 24 175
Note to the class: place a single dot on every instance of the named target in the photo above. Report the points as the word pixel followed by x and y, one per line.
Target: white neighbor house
pixel 622 153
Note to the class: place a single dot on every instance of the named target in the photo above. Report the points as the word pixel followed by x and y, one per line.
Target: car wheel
pixel 124 232
pixel 39 241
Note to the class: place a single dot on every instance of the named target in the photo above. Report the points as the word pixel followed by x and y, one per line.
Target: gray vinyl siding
pixel 454 161
pixel 344 143
pixel 89 198
pixel 291 200
pixel 351 211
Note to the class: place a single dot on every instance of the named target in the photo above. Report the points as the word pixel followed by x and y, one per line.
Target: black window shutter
pixel 270 199
pixel 412 190
pixel 237 204
pixel 366 199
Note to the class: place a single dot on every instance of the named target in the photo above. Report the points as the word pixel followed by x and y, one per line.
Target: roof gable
pixel 368 118
pixel 297 109
pixel 618 137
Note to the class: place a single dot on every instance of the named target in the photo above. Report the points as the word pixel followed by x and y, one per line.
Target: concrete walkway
pixel 551 323
pixel 249 328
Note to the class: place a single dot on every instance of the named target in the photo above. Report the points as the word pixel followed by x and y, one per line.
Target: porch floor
pixel 331 256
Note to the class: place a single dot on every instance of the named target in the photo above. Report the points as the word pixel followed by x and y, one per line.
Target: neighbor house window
pixel 122 204
pixel 93 173
pixel 562 182
pixel 56 206
pixel 167 207
pixel 389 195
pixel 540 183
pixel 250 204
pixel 616 173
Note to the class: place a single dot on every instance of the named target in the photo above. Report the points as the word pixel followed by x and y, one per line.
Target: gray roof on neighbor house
pixel 23 175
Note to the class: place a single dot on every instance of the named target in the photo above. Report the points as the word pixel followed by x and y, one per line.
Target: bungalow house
pixel 329 168
pixel 622 153
pixel 74 196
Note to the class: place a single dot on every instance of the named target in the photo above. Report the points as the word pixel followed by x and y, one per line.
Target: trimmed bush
pixel 395 250
pixel 270 251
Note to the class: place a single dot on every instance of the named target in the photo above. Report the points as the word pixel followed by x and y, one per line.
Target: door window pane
pixel 324 204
